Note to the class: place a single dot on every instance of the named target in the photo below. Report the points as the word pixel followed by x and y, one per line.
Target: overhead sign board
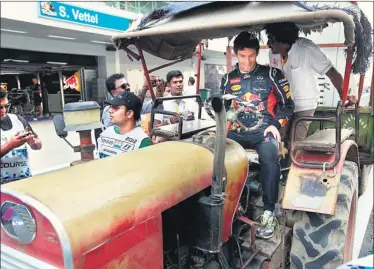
pixel 73 14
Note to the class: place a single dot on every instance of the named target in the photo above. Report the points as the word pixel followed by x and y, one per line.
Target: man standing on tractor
pixel 15 133
pixel 264 87
pixel 124 135
pixel 301 59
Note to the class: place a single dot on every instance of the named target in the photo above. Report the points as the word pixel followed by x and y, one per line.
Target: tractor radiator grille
pixel 14 259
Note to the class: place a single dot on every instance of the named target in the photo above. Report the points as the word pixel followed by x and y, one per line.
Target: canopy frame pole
pixel 145 70
pixel 200 52
pixel 228 58
pixel 360 88
pixel 165 65
pixel 371 91
pixel 347 74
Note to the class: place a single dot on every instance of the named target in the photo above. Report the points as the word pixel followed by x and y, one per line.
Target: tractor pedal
pixel 253 230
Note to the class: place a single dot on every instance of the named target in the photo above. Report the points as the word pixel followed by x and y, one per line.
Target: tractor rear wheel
pixel 325 241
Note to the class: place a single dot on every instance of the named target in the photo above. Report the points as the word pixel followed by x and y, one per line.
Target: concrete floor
pixel 56 154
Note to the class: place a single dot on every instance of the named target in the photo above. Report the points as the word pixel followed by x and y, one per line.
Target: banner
pixel 66 12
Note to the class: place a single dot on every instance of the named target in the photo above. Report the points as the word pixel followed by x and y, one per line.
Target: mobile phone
pixel 27 134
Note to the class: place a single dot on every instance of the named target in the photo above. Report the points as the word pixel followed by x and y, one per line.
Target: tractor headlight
pixel 18 222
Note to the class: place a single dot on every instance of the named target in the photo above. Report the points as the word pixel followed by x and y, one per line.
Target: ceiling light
pixel 17 61
pixel 61 63
pixel 13 31
pixel 61 37
pixel 102 42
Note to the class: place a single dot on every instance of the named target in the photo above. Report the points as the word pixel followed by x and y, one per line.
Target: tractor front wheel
pixel 325 241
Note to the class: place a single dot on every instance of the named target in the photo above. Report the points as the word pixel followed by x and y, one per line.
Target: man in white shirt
pixel 188 108
pixel 300 60
pixel 191 88
pixel 15 132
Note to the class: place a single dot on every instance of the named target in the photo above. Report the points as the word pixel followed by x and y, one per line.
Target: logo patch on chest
pixel 236 88
pixel 235 81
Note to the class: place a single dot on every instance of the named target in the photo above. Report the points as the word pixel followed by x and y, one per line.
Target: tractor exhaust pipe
pixel 219 149
pixel 209 214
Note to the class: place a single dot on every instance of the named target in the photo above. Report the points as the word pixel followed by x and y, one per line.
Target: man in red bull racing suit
pixel 268 92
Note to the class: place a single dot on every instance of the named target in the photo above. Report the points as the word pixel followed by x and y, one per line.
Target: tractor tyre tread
pixel 318 239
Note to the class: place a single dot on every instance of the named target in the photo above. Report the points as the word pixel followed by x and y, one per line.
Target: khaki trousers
pixel 301 130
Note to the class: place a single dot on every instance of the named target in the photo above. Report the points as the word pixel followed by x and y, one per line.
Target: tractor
pixel 193 201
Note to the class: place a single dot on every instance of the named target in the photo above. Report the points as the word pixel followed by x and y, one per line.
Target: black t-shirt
pixel 6 124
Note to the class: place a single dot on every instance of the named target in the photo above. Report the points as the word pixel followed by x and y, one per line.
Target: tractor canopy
pixel 173 32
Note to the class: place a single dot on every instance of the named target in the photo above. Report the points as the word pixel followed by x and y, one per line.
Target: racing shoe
pixel 268 224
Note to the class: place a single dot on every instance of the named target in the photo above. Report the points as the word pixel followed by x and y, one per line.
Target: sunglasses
pixel 4 106
pixel 125 86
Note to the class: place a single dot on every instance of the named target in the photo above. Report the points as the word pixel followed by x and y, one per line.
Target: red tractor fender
pixel 312 190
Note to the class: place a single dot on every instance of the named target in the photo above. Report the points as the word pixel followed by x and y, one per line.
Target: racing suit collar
pixel 246 75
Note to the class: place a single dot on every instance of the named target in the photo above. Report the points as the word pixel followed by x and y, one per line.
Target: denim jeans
pixel 267 148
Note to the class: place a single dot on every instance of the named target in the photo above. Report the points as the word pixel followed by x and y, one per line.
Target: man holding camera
pixel 15 133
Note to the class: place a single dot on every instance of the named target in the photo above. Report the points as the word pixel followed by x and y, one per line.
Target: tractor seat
pixel 189 128
pixel 323 140
pixel 253 156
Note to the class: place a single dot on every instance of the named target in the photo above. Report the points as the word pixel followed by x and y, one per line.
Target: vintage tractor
pixel 192 202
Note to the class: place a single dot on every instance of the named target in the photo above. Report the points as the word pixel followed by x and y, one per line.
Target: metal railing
pixel 140 7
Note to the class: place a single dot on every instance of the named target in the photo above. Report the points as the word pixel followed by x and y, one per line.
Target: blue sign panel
pixel 73 14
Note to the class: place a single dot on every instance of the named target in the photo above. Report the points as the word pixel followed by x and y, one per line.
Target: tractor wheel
pixel 323 241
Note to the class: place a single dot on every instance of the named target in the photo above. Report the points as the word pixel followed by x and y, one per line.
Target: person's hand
pixel 18 139
pixel 351 101
pixel 274 131
pixel 160 84
pixel 30 138
pixel 190 116
pixel 174 119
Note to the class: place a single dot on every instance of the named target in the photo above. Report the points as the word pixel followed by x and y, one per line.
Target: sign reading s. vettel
pixel 66 12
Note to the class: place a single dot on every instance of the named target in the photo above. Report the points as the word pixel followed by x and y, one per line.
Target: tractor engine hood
pixel 91 203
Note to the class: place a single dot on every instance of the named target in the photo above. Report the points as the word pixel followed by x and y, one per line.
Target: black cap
pixel 128 99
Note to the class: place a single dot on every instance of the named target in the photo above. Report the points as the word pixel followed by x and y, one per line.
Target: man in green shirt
pixel 124 136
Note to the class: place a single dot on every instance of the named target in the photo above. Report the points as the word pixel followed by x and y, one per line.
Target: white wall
pixel 51 45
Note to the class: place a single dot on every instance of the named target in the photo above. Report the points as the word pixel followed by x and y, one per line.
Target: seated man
pixel 124 135
pixel 263 87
